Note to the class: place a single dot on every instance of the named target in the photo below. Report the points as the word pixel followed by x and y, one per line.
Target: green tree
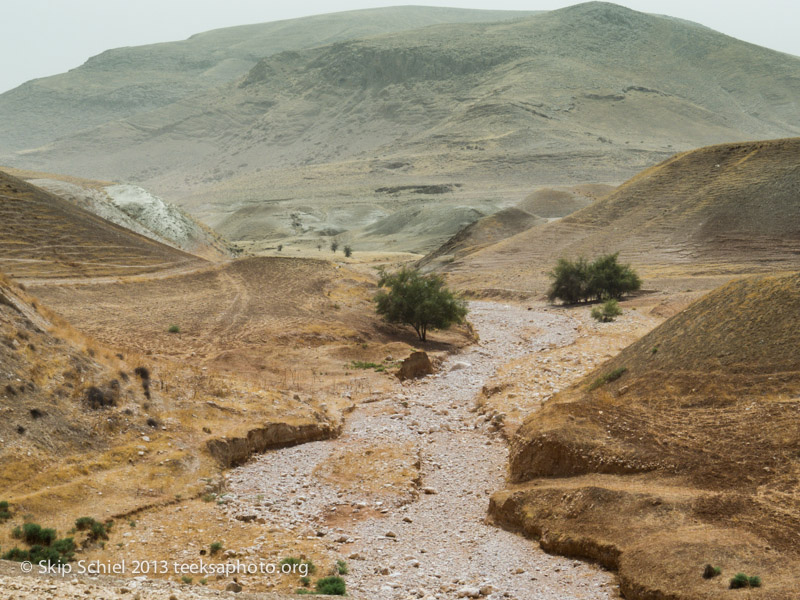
pixel 602 279
pixel 610 279
pixel 348 251
pixel 334 246
pixel 422 301
pixel 570 281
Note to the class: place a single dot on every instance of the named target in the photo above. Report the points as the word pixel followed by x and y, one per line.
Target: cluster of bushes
pixel 43 546
pixel 602 279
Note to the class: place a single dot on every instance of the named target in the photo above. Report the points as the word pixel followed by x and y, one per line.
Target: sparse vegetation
pixel 348 251
pixel 603 279
pixel 607 378
pixel 341 567
pixel 215 548
pixel 421 301
pixel 360 364
pixel 186 579
pixel 174 329
pixel 607 312
pixel 334 246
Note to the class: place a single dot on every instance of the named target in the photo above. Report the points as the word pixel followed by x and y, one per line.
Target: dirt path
pixel 426 538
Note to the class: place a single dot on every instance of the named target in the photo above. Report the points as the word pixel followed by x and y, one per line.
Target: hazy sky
pixel 44 37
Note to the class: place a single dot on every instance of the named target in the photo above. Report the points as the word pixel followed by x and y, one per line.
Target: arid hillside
pixel 136 209
pixel 708 214
pixel 307 141
pixel 691 433
pixel 45 236
pixel 122 82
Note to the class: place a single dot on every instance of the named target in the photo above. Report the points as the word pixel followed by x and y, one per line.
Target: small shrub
pixel 280 247
pixel 142 372
pixel 608 377
pixel 84 523
pixel 348 251
pixel 215 547
pixel 711 571
pixel 305 581
pixel 754 581
pixel 341 567
pixel 186 579
pixel 740 580
pixel 174 329
pixel 331 586
pixel 607 312
pixel 203 581
pixel 334 246
pixel 5 514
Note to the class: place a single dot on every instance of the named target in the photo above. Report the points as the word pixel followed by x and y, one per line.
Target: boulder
pixel 416 365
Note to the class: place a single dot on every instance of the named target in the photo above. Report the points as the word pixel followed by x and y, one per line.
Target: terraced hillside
pixel 706 214
pixel 45 236
pixel 691 433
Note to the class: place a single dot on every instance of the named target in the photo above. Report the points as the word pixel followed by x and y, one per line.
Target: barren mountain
pixel 692 434
pixel 590 93
pixel 123 82
pixel 709 213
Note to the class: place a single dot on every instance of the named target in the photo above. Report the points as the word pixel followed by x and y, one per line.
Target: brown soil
pixel 695 443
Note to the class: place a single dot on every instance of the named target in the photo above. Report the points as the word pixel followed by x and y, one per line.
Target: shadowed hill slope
pixel 716 211
pixel 122 82
pixel 45 236
pixel 695 441
pixel 594 92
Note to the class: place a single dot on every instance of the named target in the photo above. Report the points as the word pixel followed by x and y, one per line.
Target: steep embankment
pixel 691 433
pixel 45 236
pixel 713 212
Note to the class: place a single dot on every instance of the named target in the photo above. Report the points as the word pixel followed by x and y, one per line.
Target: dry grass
pixel 696 443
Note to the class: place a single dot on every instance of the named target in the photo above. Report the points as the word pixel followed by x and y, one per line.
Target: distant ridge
pixel 122 82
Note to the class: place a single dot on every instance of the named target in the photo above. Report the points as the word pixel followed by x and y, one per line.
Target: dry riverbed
pixel 414 525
